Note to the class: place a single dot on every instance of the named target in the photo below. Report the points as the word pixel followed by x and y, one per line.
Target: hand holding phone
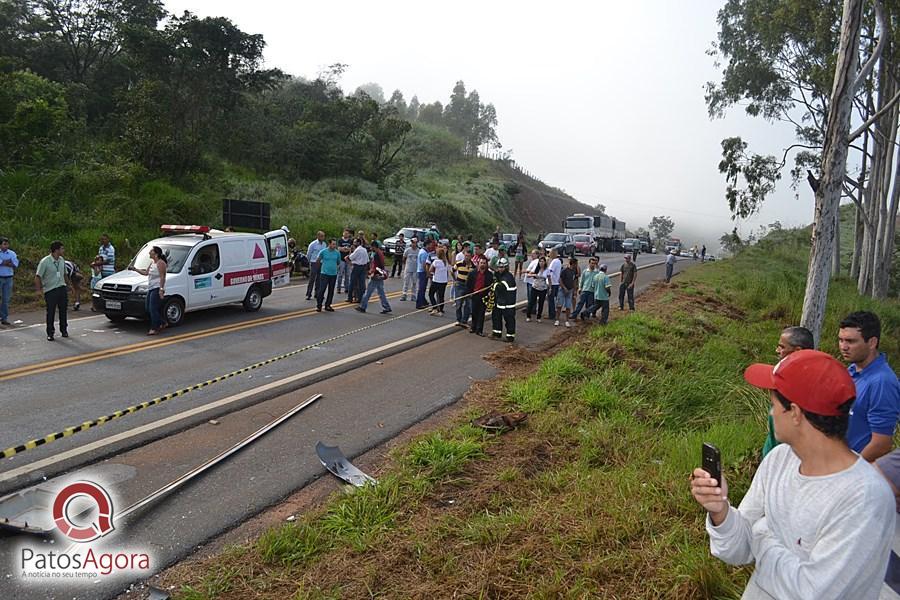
pixel 712 462
pixel 709 487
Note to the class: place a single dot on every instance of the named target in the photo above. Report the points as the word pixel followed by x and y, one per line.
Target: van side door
pixel 205 279
pixel 279 261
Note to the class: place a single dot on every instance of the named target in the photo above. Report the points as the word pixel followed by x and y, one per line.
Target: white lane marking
pixel 46 462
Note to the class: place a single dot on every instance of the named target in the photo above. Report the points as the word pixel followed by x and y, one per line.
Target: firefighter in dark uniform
pixel 504 291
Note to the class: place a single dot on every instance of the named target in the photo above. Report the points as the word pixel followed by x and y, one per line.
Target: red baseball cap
pixel 814 381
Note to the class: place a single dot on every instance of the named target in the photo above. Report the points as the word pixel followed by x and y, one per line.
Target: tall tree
pixel 834 167
pixel 662 227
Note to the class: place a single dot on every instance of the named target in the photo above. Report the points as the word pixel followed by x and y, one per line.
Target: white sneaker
pixel 528 319
pixel 538 320
pixel 556 323
pixel 568 324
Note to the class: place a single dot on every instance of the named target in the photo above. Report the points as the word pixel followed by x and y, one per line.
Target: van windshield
pixel 175 255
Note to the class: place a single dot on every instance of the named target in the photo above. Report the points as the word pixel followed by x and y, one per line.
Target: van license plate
pixel 113 305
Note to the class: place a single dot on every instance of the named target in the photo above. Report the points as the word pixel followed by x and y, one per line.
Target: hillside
pixel 76 205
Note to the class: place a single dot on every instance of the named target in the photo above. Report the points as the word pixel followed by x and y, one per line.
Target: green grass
pixel 590 498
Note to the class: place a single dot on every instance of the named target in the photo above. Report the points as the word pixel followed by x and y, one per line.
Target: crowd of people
pixel 819 518
pixel 474 278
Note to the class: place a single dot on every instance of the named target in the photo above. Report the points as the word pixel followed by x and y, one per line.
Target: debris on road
pixel 337 464
pixel 500 422
pixel 213 421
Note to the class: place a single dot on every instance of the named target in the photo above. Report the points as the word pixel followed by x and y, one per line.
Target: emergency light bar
pixel 185 228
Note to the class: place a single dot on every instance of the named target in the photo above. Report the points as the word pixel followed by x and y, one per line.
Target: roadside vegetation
pixel 589 498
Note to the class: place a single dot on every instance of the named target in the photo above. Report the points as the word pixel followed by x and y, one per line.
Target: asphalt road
pixel 365 405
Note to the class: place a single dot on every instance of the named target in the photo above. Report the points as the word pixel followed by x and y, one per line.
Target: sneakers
pixel 359 309
pixel 386 312
pixel 556 323
pixel 538 320
pixel 5 322
pixel 568 324
pixel 329 309
pixel 528 319
pixel 76 306
pixel 402 298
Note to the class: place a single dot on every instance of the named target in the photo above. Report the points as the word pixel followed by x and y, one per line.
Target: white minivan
pixel 206 268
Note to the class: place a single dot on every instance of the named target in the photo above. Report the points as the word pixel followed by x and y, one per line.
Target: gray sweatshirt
pixel 810 537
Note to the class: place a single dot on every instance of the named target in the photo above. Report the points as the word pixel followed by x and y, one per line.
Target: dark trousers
pixel 436 295
pixel 537 299
pixel 154 308
pixel 326 283
pixel 551 302
pixel 669 269
pixel 313 278
pixel 585 302
pixel 420 294
pixel 603 307
pixel 478 309
pixel 501 316
pixel 623 289
pixel 357 283
pixel 57 299
pixel 397 267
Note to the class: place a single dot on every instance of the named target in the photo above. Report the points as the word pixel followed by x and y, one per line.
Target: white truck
pixel 608 233
pixel 206 268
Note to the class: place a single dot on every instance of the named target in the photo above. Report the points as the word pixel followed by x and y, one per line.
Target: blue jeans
pixel 463 307
pixel 551 301
pixel 343 275
pixel 421 302
pixel 585 302
pixel 154 308
pixel 375 285
pixel 6 284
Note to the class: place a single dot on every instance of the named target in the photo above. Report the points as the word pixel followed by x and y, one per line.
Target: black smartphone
pixel 712 462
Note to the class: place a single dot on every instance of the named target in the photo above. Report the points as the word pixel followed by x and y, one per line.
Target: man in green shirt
pixel 601 295
pixel 50 280
pixel 628 279
pixel 791 340
pixel 329 260
pixel 586 290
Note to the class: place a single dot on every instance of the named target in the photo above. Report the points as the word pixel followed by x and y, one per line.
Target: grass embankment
pixel 80 202
pixel 588 499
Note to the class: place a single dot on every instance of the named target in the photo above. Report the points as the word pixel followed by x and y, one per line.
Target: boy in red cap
pixel 818 520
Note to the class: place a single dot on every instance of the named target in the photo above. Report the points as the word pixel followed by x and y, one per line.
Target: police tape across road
pixel 69 431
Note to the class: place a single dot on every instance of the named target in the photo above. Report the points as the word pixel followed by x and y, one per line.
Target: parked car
pixel 563 243
pixel 631 244
pixel 408 234
pixel 585 244
pixel 711 257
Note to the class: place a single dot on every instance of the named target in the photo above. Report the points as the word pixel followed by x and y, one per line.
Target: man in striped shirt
pixel 108 252
pixel 463 306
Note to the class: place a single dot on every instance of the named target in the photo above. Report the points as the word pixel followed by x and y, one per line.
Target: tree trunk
pixel 836 255
pixel 857 244
pixel 884 244
pixel 834 167
pixel 858 230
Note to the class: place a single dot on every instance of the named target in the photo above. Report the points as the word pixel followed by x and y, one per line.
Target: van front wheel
pixel 254 299
pixel 173 311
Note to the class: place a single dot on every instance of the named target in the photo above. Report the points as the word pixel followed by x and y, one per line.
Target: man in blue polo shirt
pixel 873 417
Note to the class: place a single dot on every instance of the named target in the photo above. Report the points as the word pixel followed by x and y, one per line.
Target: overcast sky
pixel 601 99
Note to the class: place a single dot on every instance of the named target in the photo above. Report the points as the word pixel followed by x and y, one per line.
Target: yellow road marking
pixel 71 361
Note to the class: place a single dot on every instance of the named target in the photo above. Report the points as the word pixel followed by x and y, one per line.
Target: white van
pixel 207 268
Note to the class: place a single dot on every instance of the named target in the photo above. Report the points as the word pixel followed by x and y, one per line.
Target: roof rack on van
pixel 175 229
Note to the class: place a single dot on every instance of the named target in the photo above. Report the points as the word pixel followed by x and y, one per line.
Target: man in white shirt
pixel 493 251
pixel 312 253
pixel 530 271
pixel 554 269
pixel 670 264
pixel 359 261
pixel 818 520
